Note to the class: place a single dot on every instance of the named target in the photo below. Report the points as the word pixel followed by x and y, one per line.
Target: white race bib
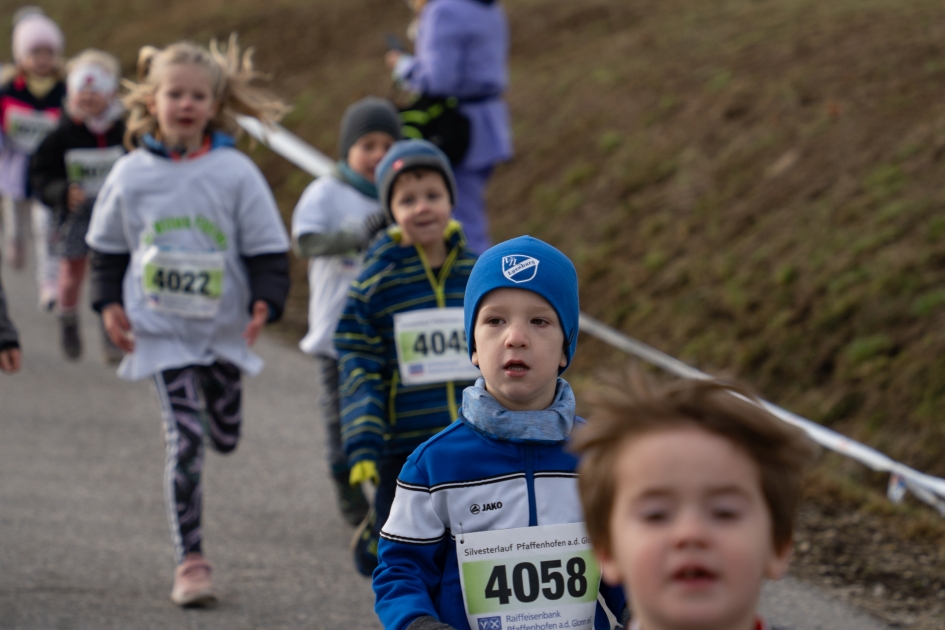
pixel 431 346
pixel 531 577
pixel 27 128
pixel 89 167
pixel 189 284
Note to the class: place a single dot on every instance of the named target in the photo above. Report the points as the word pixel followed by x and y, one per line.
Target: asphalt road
pixel 84 541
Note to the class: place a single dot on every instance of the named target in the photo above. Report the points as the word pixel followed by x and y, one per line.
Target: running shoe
pixel 69 336
pixel 193 585
pixel 351 502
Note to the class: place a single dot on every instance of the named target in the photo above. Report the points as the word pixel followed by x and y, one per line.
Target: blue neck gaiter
pixel 547 426
pixel 355 180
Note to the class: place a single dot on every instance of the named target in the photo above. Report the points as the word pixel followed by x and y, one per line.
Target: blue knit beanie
pixel 533 265
pixel 411 154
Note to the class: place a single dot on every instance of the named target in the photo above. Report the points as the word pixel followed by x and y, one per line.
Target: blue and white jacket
pixel 490 455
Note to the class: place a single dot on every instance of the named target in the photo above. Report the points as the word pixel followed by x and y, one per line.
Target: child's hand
pixel 364 470
pixel 392 57
pixel 75 197
pixel 118 327
pixel 260 315
pixel 10 360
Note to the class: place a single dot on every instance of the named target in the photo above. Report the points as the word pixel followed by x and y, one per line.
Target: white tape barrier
pixel 289 146
pixel 927 488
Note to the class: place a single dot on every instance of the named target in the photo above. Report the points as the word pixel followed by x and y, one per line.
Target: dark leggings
pixel 197 402
pixel 331 414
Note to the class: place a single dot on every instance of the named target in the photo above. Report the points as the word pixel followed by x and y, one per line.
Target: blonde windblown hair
pixel 231 84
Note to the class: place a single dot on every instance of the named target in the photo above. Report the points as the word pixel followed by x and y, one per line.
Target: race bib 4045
pixel 431 346
pixel 529 578
pixel 189 284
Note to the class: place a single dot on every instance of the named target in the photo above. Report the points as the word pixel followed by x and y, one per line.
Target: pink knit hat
pixel 34 31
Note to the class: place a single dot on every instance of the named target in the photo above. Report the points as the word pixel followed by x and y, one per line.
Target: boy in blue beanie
pixel 486 530
pixel 401 347
pixel 335 220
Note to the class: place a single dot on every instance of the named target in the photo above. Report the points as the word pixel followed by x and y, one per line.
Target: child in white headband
pixel 67 172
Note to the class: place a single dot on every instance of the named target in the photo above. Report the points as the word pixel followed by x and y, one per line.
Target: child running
pixel 67 172
pixel 690 494
pixel 402 355
pixel 486 528
pixel 30 105
pixel 188 262
pixel 335 220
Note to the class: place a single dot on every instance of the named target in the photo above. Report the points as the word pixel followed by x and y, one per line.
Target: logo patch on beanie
pixel 519 269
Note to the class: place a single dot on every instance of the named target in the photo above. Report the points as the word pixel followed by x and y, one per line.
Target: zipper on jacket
pixel 530 483
pixel 439 290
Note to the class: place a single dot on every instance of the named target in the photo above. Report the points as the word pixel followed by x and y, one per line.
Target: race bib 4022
pixel 189 284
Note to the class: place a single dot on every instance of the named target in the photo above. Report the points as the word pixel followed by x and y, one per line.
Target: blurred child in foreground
pixel 690 494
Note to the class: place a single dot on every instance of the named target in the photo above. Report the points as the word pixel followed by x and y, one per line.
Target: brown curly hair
pixel 631 405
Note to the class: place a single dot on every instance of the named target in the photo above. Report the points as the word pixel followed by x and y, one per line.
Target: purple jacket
pixel 462 50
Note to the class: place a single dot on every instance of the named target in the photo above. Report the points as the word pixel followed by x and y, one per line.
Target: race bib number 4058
pixel 431 346
pixel 189 284
pixel 544 577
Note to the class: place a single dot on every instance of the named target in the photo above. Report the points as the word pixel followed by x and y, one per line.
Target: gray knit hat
pixel 364 116
pixel 407 155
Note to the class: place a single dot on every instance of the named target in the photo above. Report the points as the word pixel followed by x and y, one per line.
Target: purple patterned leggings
pixel 197 402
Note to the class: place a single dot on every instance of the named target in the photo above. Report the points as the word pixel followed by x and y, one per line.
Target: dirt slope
pixel 752 185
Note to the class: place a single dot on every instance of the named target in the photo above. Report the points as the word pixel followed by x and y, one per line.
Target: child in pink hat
pixel 31 99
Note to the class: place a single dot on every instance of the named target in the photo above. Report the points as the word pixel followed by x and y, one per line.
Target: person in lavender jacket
pixel 461 50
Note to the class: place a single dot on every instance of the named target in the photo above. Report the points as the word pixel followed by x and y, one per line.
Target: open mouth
pixel 515 367
pixel 694 575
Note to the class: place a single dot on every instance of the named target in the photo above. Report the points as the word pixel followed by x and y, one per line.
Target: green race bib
pixel 431 346
pixel 89 167
pixel 26 129
pixel 531 577
pixel 188 284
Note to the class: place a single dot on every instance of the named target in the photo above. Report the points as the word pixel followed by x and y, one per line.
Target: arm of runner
pixel 361 364
pixel 260 315
pixel 118 327
pixel 48 173
pixel 414 542
pixel 10 360
pixel 268 282
pixel 75 197
pixel 315 244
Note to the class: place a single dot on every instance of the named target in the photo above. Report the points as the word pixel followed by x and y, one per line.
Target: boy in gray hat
pixel 334 221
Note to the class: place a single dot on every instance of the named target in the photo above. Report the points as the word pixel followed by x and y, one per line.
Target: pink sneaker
pixel 192 583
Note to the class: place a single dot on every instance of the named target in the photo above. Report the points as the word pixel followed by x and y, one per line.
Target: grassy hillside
pixel 752 185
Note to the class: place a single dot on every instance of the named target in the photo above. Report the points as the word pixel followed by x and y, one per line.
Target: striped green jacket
pixel 380 415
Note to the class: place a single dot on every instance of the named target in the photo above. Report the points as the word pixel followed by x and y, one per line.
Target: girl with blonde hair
pixel 188 263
